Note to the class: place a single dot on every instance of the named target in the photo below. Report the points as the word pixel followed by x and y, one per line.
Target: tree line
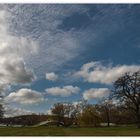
pixel 122 107
pixel 125 110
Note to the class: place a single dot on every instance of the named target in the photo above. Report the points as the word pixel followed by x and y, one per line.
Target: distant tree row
pixel 126 110
pixel 93 115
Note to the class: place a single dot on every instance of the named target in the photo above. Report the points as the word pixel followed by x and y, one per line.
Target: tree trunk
pixel 108 123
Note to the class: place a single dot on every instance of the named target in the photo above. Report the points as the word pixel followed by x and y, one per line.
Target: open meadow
pixel 71 131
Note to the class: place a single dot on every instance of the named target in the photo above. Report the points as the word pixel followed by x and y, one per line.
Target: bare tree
pixel 127 90
pixel 58 110
pixel 68 113
pixel 63 112
pixel 89 116
pixel 1 107
pixel 77 110
pixel 1 111
pixel 105 108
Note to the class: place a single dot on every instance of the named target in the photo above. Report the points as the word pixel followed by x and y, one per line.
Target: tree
pixel 1 107
pixel 58 110
pixel 127 90
pixel 78 108
pixel 122 116
pixel 2 102
pixel 63 113
pixel 105 108
pixel 1 111
pixel 89 116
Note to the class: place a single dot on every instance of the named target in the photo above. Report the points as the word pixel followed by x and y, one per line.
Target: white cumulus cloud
pixel 51 76
pixel 14 71
pixel 95 72
pixel 96 93
pixel 63 91
pixel 25 96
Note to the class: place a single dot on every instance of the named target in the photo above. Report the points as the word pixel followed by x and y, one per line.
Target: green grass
pixel 61 131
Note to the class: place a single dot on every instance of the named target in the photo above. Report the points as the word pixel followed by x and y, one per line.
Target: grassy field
pixel 56 131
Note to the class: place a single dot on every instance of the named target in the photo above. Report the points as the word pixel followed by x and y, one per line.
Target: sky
pixel 52 53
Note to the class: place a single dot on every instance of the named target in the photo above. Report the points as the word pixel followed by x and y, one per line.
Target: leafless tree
pixel 1 107
pixel 89 116
pixel 105 108
pixel 127 90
